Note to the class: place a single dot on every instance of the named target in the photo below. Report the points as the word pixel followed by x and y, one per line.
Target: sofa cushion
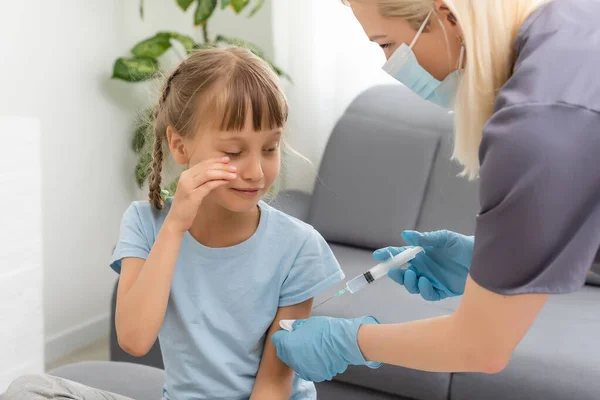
pixel 389 303
pixel 131 380
pixel 376 166
pixel 558 359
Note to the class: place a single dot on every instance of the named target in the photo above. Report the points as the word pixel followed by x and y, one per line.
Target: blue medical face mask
pixel 404 67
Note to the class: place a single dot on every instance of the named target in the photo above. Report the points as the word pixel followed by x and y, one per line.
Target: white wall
pixel 56 61
pixel 55 67
pixel 21 310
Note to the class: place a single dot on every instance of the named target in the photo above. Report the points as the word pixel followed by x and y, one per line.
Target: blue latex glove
pixel 319 348
pixel 441 271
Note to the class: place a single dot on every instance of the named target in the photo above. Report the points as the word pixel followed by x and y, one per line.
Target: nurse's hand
pixel 441 271
pixel 319 348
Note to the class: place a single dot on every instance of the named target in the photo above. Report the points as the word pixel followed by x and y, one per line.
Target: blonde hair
pixel 489 29
pixel 218 87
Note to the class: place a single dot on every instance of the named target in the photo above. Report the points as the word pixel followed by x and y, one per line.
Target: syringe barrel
pixel 356 284
pixel 381 270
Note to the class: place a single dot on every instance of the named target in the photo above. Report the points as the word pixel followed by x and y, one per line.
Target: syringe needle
pixel 323 302
pixel 339 293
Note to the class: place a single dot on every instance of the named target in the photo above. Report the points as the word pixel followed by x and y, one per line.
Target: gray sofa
pixel 386 169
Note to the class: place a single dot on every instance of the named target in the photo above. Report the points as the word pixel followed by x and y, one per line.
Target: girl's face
pixel 255 154
pixel 437 49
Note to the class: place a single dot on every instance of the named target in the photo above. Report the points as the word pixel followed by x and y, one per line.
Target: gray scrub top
pixel 538 230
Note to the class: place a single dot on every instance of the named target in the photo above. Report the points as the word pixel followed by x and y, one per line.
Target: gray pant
pixel 42 387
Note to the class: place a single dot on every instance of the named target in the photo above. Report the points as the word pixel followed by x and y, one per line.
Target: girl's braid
pixel 156 198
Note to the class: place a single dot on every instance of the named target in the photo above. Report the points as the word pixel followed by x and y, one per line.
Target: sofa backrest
pixel 451 202
pixel 384 163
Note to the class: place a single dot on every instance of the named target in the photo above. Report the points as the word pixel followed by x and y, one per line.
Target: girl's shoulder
pixel 141 211
pixel 284 224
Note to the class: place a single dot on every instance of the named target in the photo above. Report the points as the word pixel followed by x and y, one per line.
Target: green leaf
pixel 135 69
pixel 204 46
pixel 157 45
pixel 184 4
pixel 239 5
pixel 153 47
pixel 139 139
pixel 142 169
pixel 185 40
pixel 204 11
pixel 255 49
pixel 173 187
pixel 280 72
pixel 240 43
pixel 259 4
pixel 144 132
pixel 225 4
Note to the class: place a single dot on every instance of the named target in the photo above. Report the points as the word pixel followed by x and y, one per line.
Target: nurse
pixel 523 79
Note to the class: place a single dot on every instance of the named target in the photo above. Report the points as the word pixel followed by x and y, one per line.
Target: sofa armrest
pixel 294 203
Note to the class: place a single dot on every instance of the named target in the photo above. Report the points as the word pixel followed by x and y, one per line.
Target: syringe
pixel 375 273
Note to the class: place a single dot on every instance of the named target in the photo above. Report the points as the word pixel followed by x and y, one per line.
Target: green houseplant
pixel 144 64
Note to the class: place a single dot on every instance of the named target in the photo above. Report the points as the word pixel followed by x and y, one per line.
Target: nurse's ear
pixel 448 19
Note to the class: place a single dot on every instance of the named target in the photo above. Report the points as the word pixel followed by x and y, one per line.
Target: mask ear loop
pixel 421 29
pixel 461 58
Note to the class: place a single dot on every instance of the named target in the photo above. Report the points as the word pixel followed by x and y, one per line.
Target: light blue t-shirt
pixel 223 300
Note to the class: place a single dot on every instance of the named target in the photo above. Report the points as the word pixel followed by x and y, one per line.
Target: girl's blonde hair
pixel 215 88
pixel 489 29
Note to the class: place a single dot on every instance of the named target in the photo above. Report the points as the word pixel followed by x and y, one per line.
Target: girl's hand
pixel 194 184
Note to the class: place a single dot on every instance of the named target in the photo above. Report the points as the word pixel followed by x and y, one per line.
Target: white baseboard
pixel 77 337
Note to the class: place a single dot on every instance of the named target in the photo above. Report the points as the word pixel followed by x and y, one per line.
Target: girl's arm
pixel 143 293
pixel 144 286
pixel 479 337
pixel 274 379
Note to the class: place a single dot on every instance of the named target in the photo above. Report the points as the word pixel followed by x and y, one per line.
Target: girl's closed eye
pixel 385 45
pixel 232 153
pixel 273 148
